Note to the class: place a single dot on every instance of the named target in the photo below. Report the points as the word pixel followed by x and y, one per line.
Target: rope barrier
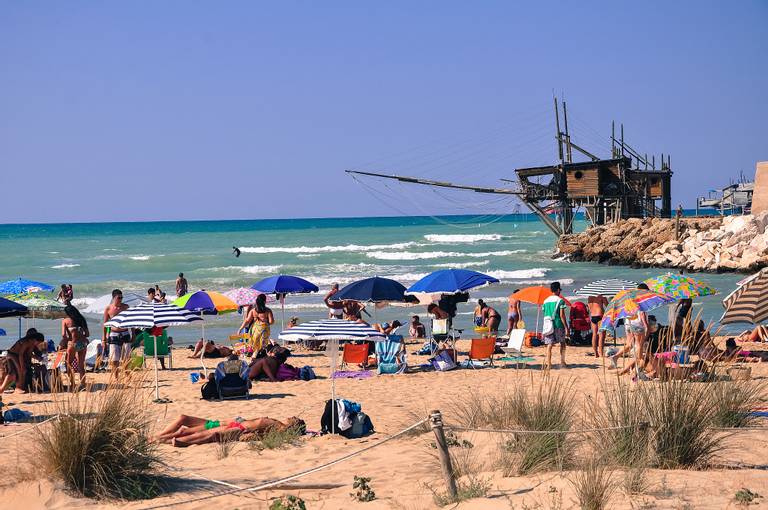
pixel 30 428
pixel 300 474
pixel 582 431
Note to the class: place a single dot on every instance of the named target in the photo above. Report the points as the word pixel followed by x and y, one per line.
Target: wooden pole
pixel 436 422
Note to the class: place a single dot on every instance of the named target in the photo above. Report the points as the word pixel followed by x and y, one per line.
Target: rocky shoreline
pixel 712 244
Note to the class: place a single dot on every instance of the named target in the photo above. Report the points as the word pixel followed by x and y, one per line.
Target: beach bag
pixel 330 418
pixel 443 362
pixel 306 373
pixel 210 390
pixel 548 326
pixel 361 426
pixel 286 372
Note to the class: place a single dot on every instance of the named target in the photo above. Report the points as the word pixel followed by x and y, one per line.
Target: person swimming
pixel 236 251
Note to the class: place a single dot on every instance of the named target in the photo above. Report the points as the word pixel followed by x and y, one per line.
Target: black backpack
pixel 210 390
pixel 330 419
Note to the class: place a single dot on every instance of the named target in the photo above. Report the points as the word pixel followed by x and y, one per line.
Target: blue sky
pixel 120 111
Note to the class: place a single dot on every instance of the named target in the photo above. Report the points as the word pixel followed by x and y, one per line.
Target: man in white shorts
pixel 335 308
pixel 118 339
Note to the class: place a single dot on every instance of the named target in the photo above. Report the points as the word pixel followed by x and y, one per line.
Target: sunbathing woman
pixel 266 367
pixel 211 350
pixel 187 430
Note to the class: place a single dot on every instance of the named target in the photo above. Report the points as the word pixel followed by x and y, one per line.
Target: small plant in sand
pixel 547 408
pixel 472 487
pixel 274 439
pixel 363 491
pixel 289 502
pixel 99 446
pixel 746 497
pixel 733 402
pixel 225 445
pixel 635 480
pixel 593 484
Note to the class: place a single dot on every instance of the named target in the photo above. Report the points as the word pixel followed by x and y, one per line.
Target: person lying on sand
pixel 734 353
pixel 266 366
pixel 188 430
pixel 759 334
pixel 210 350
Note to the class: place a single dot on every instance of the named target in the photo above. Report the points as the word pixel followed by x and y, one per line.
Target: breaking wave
pixel 65 266
pixel 521 274
pixel 324 249
pixel 406 255
pixel 464 265
pixel 462 238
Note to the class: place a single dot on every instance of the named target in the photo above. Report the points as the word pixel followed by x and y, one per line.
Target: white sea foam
pixel 462 238
pixel 408 255
pixel 245 269
pixel 139 257
pixel 64 266
pixel 520 274
pixel 464 265
pixel 54 252
pixel 324 249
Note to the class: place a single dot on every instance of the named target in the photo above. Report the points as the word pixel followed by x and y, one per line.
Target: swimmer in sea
pixel 236 251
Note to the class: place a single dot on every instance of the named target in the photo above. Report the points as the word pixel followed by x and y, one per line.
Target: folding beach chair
pixel 391 355
pixel 232 379
pixel 481 350
pixel 163 349
pixel 354 354
pixel 513 351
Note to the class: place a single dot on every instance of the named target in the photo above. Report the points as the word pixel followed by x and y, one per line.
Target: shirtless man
pixel 119 339
pixel 19 359
pixel 181 285
pixel 597 306
pixel 188 430
pixel 335 308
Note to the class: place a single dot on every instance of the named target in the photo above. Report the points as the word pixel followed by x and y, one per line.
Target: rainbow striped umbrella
pixel 206 302
pixel 628 303
pixel 679 286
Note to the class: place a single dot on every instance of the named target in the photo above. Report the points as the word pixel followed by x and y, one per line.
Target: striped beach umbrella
pixel 628 303
pixel 607 288
pixel 679 286
pixel 332 329
pixel 151 315
pixel 749 302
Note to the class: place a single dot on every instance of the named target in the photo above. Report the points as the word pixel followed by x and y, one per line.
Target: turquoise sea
pixel 98 257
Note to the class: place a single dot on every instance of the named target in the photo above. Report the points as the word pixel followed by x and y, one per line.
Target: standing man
pixel 597 306
pixel 181 285
pixel 555 324
pixel 118 339
pixel 236 251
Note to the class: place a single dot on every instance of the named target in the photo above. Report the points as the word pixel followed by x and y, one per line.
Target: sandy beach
pixel 401 470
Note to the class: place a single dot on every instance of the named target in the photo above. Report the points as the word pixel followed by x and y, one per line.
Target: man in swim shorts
pixel 597 306
pixel 117 340
pixel 335 308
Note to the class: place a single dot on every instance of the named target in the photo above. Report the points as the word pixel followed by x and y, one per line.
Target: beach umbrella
pixel 451 281
pixel 206 302
pixel 679 286
pixel 2 332
pixel 151 316
pixel 332 331
pixel 372 290
pixel 535 295
pixel 749 302
pixel 283 284
pixel 40 307
pixel 607 288
pixel 244 296
pixel 10 308
pixel 22 285
pixel 628 303
pixel 99 304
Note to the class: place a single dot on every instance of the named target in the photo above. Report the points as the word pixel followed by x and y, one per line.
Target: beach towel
pixel 361 374
pixel 286 372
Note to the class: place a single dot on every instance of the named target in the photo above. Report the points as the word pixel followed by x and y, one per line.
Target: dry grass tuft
pixel 733 402
pixel 99 447
pixel 593 484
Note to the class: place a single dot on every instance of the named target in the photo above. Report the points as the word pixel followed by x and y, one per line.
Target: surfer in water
pixel 236 251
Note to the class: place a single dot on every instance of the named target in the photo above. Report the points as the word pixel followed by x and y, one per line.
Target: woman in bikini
pixel 491 318
pixel 210 350
pixel 260 319
pixel 514 313
pixel 74 333
pixel 188 430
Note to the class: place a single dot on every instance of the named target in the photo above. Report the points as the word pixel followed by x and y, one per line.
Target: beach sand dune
pixel 401 470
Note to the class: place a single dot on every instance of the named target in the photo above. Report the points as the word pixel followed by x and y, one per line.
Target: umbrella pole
pixel 202 351
pixel 157 385
pixel 19 326
pixel 282 316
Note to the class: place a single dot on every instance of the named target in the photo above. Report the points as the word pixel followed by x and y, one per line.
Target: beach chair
pixel 513 351
pixel 163 349
pixel 355 354
pixel 391 355
pixel 481 350
pixel 232 379
pixel 93 355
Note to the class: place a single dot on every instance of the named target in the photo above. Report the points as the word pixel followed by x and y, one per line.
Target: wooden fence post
pixel 436 422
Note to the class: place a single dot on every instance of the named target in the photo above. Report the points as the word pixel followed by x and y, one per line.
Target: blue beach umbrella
pixel 2 332
pixel 372 290
pixel 284 284
pixel 10 308
pixel 21 285
pixel 451 281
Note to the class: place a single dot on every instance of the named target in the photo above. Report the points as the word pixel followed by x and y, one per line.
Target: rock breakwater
pixel 734 243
